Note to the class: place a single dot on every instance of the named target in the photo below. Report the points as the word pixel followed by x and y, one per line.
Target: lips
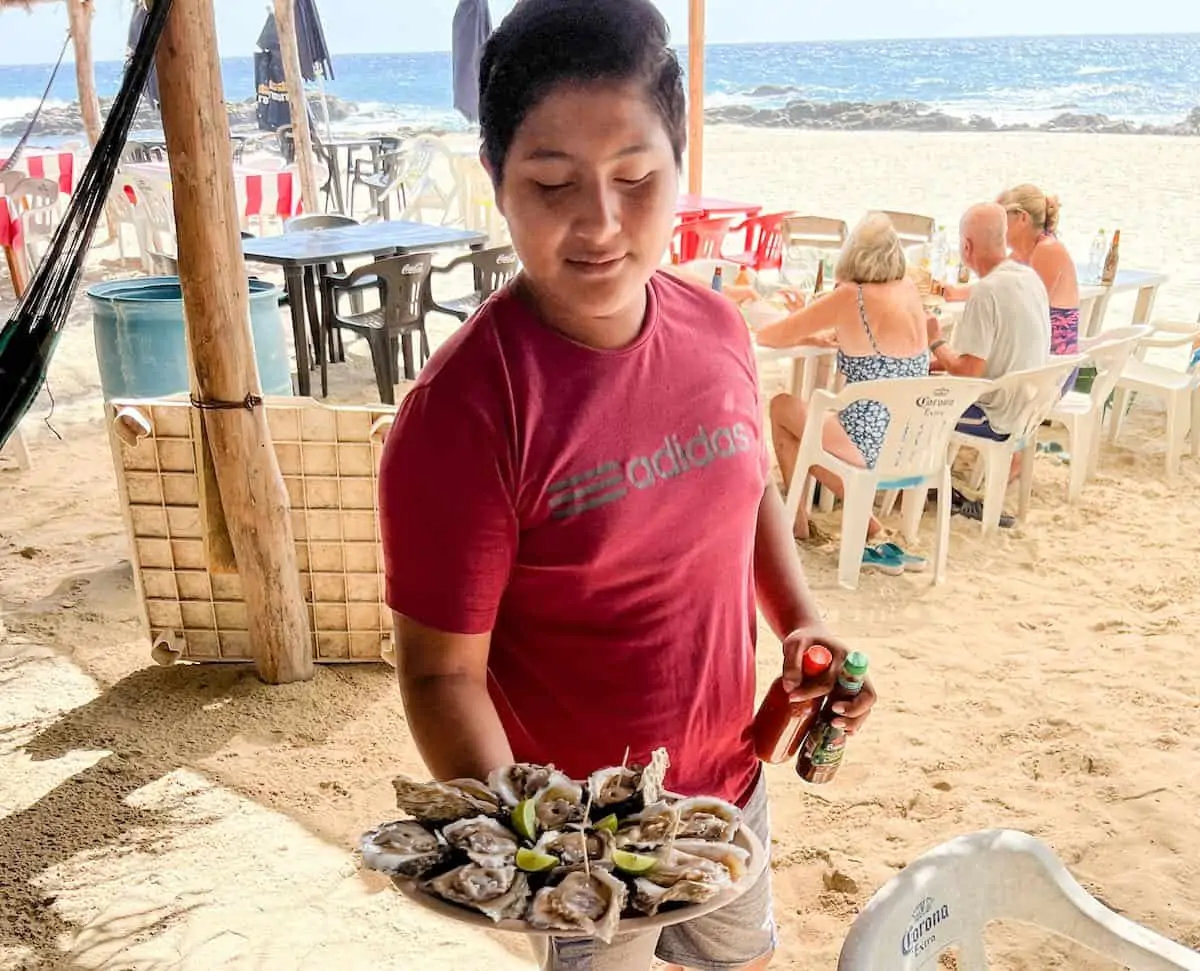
pixel 596 265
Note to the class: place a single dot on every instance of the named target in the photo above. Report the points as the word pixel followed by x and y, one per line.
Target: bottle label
pixel 829 747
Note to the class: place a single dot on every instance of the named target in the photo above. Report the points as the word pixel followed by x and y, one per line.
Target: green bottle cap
pixel 856 665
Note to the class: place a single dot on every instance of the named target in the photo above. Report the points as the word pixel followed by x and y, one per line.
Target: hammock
pixel 9 162
pixel 28 340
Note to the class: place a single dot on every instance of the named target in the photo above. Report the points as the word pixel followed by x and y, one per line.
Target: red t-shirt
pixel 595 510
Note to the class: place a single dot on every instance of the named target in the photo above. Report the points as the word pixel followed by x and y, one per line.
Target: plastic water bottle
pixel 1096 257
pixel 938 255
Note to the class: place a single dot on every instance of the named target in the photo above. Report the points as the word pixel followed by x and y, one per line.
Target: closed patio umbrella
pixel 315 64
pixel 137 24
pixel 472 27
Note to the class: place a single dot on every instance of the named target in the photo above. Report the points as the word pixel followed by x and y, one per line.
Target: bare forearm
pixel 455 726
pixel 783 594
pixel 959 365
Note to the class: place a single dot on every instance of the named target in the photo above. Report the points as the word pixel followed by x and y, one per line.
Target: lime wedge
pixel 609 822
pixel 535 861
pixel 524 819
pixel 635 863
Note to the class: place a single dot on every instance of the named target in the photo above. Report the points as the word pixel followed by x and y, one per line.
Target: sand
pixel 193 818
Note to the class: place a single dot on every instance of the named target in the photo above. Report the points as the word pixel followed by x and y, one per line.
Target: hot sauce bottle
pixel 780 725
pixel 823 748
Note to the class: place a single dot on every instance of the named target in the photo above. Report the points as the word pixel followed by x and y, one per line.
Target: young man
pixel 574 499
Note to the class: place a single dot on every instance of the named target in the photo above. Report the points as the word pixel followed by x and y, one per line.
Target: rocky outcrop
pixel 915 116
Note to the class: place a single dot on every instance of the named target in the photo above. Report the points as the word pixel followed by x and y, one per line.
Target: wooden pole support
pixel 80 13
pixel 217 310
pixel 696 96
pixel 289 51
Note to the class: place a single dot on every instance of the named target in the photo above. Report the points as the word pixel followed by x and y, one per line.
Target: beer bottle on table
pixel 822 750
pixel 1111 261
pixel 718 280
pixel 781 724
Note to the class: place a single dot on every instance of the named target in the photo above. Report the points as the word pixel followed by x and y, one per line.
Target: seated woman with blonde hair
pixel 1033 240
pixel 879 322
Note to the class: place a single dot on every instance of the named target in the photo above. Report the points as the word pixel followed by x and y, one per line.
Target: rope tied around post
pixel 250 402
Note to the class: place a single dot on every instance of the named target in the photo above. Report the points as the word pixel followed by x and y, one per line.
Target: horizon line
pixel 741 43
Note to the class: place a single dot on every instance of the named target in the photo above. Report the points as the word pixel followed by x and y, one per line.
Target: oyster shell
pixel 590 904
pixel 732 857
pixel 625 789
pixel 707 818
pixel 648 897
pixel 500 892
pixel 439 802
pixel 519 781
pixel 558 802
pixel 405 848
pixel 649 829
pixel 675 866
pixel 485 840
pixel 568 846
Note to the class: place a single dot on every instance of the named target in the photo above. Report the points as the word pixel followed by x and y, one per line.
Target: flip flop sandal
pixel 881 562
pixel 910 561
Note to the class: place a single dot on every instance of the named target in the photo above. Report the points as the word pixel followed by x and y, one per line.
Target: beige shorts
pixel 725 940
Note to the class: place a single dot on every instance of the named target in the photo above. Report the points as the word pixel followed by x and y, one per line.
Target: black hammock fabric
pixel 28 340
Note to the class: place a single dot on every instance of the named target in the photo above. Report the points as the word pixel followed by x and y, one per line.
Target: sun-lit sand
pixel 193 818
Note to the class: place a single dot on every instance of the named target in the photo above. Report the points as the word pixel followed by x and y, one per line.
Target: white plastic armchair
pixel 913 458
pixel 1038 390
pixel 1180 389
pixel 1082 413
pixel 946 898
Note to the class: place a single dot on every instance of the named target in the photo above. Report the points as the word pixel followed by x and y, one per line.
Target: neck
pixel 610 332
pixel 985 264
pixel 1023 251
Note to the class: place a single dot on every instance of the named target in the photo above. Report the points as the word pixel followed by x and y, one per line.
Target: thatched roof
pixel 23 4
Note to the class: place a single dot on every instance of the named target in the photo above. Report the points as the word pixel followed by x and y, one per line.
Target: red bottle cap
pixel 817 660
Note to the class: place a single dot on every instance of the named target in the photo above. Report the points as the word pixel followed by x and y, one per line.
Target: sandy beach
pixel 193 818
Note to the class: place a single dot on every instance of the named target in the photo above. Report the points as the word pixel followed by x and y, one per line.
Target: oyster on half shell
pixel 439 802
pixel 582 902
pixel 649 829
pixel 500 892
pixel 569 846
pixel 485 840
pixel 405 848
pixel 519 781
pixel 558 802
pixel 676 866
pixel 628 788
pixel 648 897
pixel 706 818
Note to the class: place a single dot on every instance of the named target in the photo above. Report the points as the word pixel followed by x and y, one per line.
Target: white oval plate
pixel 629 925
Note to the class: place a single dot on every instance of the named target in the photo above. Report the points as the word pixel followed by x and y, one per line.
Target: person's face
pixel 589 191
pixel 1019 230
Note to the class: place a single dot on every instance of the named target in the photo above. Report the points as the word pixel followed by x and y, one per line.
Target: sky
pixel 366 26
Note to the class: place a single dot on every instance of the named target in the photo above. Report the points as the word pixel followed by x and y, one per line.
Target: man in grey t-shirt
pixel 1005 325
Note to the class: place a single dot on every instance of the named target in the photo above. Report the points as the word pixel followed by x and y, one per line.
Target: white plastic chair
pixel 427 164
pixel 1179 389
pixel 1082 413
pixel 913 458
pixel 16 449
pixel 911 227
pixel 37 200
pixel 1039 391
pixel 946 898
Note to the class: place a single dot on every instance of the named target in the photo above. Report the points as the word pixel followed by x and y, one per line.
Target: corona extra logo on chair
pixel 919 936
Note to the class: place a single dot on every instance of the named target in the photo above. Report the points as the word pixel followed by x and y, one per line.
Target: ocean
pixel 1144 79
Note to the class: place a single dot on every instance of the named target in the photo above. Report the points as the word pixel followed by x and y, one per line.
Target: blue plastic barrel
pixel 142 347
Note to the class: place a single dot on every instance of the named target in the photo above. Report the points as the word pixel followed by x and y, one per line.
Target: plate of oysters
pixel 536 852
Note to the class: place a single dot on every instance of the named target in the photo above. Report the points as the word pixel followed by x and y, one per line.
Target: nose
pixel 597 217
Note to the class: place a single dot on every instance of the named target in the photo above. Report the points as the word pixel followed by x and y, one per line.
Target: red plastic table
pixel 690 207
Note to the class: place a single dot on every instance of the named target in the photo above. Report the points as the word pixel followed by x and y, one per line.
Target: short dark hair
pixel 544 43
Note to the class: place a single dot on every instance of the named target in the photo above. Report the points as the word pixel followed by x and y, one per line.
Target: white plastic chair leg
pixel 941 542
pixel 887 502
pixel 1175 433
pixel 912 507
pixel 995 486
pixel 1194 431
pixel 856 516
pixel 1026 485
pixel 1117 419
pixel 1082 444
pixel 19 451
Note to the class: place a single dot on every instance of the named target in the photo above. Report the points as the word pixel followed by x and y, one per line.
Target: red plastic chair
pixel 699 239
pixel 764 242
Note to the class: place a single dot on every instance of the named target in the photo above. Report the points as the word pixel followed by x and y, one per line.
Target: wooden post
pixel 289 51
pixel 217 308
pixel 80 13
pixel 696 96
